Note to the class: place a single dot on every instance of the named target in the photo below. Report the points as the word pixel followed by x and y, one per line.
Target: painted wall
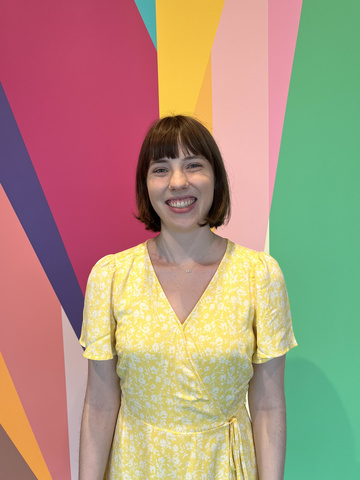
pixel 80 83
pixel 314 233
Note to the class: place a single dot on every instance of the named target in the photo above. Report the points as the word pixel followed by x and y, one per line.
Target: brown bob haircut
pixel 162 141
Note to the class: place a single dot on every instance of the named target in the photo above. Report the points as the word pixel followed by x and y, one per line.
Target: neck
pixel 185 246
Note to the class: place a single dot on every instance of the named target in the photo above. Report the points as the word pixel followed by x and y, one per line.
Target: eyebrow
pixel 165 160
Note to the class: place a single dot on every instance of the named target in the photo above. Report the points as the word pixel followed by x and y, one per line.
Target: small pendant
pixel 188 271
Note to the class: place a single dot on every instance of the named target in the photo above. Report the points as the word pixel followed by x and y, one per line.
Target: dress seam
pixel 126 412
pixel 200 379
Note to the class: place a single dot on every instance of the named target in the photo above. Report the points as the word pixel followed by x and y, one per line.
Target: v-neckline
pixel 207 288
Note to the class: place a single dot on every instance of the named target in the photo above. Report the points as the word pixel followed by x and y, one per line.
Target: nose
pixel 178 180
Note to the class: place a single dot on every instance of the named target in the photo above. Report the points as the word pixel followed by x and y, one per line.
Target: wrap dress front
pixel 183 409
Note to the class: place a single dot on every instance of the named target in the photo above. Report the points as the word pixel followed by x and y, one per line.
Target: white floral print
pixel 184 386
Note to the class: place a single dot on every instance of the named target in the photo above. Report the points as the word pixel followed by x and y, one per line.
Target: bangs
pixel 171 140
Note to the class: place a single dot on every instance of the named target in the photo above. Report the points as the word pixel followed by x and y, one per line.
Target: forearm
pixel 101 407
pixel 97 431
pixel 269 429
pixel 268 415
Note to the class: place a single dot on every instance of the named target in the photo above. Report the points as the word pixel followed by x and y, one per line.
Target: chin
pixel 184 227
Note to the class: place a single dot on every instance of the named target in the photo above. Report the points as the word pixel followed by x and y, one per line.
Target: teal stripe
pixel 315 236
pixel 147 9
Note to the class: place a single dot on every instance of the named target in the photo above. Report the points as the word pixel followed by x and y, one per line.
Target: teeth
pixel 181 203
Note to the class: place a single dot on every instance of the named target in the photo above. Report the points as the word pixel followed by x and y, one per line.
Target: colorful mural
pixel 314 234
pixel 80 84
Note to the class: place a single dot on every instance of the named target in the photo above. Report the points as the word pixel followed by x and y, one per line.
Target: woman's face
pixel 181 190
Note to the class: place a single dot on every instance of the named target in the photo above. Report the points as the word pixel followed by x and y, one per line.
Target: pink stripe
pixel 32 343
pixel 284 17
pixel 76 376
pixel 240 108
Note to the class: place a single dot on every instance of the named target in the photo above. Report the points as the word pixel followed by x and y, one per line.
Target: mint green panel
pixel 315 236
pixel 147 9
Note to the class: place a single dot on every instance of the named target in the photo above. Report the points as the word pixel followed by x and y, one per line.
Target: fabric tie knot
pixel 234 451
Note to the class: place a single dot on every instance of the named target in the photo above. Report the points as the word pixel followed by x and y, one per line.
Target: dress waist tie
pixel 237 467
pixel 239 470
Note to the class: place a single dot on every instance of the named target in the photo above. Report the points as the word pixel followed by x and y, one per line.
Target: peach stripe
pixel 203 110
pixel 240 115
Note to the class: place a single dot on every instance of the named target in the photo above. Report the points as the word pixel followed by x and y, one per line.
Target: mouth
pixel 181 203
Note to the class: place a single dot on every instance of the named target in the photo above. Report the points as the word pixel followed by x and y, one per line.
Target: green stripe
pixel 315 236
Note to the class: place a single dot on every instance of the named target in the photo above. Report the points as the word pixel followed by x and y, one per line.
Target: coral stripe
pixel 32 343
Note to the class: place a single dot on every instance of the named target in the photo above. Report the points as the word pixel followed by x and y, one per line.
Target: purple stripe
pixel 22 186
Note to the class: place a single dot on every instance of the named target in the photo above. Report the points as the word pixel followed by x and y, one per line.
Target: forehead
pixel 181 156
pixel 173 142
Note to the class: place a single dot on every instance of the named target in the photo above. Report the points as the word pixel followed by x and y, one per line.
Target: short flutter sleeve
pixel 272 322
pixel 98 329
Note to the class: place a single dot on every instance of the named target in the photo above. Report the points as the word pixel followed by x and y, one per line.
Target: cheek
pixel 212 194
pixel 212 187
pixel 150 188
pixel 154 194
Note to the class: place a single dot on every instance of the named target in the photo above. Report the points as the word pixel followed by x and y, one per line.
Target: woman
pixel 190 323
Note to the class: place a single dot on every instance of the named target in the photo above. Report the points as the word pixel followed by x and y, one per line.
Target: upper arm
pixel 266 389
pixel 103 387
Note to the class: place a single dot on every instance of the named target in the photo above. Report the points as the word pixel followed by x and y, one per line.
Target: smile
pixel 181 203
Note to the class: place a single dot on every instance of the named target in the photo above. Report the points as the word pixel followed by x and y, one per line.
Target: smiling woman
pixel 170 138
pixel 181 190
pixel 179 329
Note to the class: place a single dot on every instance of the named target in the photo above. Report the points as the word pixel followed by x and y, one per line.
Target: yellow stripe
pixel 185 34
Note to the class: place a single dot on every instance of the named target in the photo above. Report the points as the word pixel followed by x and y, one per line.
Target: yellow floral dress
pixel 183 409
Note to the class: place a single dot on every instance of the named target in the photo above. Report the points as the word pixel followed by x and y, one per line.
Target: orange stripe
pixel 17 426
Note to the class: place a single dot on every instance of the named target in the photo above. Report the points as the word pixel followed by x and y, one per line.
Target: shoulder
pixel 117 262
pixel 262 266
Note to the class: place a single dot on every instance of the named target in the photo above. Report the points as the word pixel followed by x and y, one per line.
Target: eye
pixel 191 166
pixel 159 170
